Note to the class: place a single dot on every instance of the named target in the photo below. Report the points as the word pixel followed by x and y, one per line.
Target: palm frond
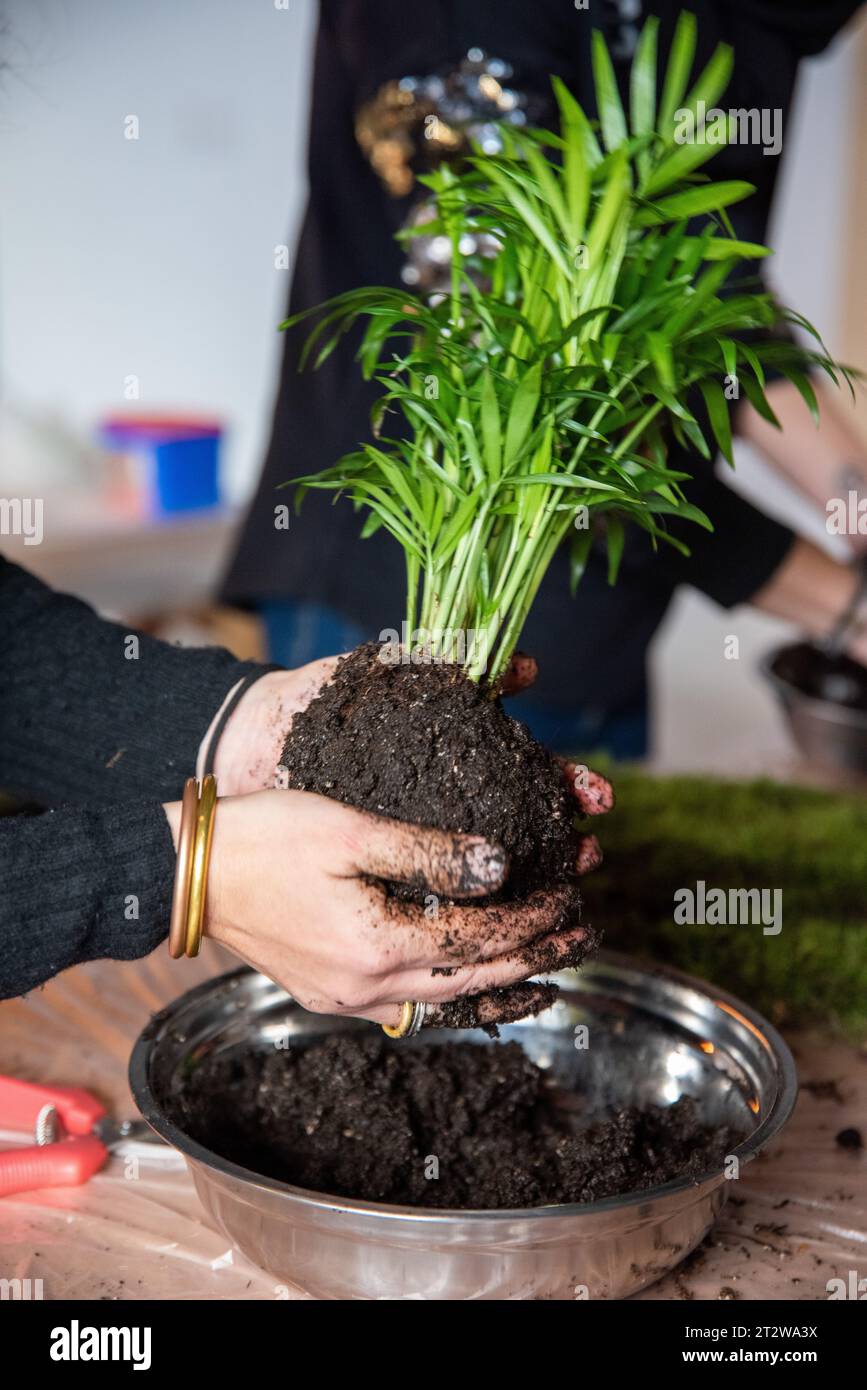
pixel 541 390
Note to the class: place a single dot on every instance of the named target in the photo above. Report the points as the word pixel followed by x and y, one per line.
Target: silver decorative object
pixel 415 123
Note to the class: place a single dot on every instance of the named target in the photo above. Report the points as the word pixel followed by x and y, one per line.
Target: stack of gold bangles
pixel 191 881
pixel 191 872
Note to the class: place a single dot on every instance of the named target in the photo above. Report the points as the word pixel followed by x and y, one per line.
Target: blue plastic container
pixel 176 460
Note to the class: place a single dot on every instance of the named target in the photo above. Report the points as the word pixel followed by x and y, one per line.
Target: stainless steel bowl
pixel 653 1035
pixel 828 731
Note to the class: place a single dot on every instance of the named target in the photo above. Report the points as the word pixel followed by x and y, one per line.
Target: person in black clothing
pixel 318 587
pixel 106 725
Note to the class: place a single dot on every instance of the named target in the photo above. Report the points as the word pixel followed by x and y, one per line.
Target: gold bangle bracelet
pixel 183 870
pixel 413 1017
pixel 201 859
pixel 400 1030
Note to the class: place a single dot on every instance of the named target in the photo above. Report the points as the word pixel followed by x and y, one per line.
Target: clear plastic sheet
pixel 795 1220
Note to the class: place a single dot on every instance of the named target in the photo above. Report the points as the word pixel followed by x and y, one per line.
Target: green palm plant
pixel 541 391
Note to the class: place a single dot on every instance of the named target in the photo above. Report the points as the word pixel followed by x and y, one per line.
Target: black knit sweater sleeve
pixel 80 884
pixel 99 715
pixel 95 712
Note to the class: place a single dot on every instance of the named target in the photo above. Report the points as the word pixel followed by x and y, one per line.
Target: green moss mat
pixel 667 833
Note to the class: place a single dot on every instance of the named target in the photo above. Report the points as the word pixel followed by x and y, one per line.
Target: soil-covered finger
pixel 593 792
pixel 497 1006
pixel 458 933
pixel 431 861
pixel 589 855
pixel 557 951
pixel 519 675
pixel 442 936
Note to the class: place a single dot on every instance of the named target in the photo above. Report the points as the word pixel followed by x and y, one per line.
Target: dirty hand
pixel 248 755
pixel 293 891
pixel 251 744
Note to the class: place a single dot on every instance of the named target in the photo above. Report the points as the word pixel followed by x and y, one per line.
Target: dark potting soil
pixel 837 679
pixel 444 1125
pixel 422 743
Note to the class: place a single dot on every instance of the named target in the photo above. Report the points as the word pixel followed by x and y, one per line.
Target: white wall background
pixel 156 257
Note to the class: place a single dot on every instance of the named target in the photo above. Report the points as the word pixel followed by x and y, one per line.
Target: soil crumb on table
pixel 442 1125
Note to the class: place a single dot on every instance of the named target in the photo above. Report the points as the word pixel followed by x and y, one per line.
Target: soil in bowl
pixel 836 679
pixel 452 1125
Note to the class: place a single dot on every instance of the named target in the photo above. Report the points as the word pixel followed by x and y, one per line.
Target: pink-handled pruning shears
pixel 73 1134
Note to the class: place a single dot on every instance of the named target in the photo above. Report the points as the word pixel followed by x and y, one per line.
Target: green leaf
pixel 549 187
pixel 575 427
pixel 729 355
pixel 468 435
pixel 759 401
pixel 686 510
pixel 802 384
pixel 523 408
pixel 582 154
pixel 691 253
pixel 713 80
pixel 695 302
pixel 373 499
pixel 642 89
pixel 694 202
pixel 693 433
pixel 577 128
pixel 392 474
pixel 672 403
pixel 603 225
pixel 579 554
pixel 747 353
pixel 614 535
pixel 659 351
pixel 658 533
pixel 683 161
pixel 718 414
pixel 721 248
pixel 523 205
pixel 666 252
pixel 680 60
pixel 490 421
pixel 566 480
pixel 571 329
pixel 611 117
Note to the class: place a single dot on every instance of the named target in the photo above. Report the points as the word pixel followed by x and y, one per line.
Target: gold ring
pixel 412 1018
pixel 201 858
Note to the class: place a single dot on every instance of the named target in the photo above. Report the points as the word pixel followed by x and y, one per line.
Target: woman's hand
pixel 293 891
pixel 251 745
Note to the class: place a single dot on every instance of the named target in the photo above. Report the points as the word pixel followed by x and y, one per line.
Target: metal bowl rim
pixel 748 1149
pixel 827 710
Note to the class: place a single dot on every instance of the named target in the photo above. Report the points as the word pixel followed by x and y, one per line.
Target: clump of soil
pixel 815 672
pixel 444 1125
pixel 423 743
